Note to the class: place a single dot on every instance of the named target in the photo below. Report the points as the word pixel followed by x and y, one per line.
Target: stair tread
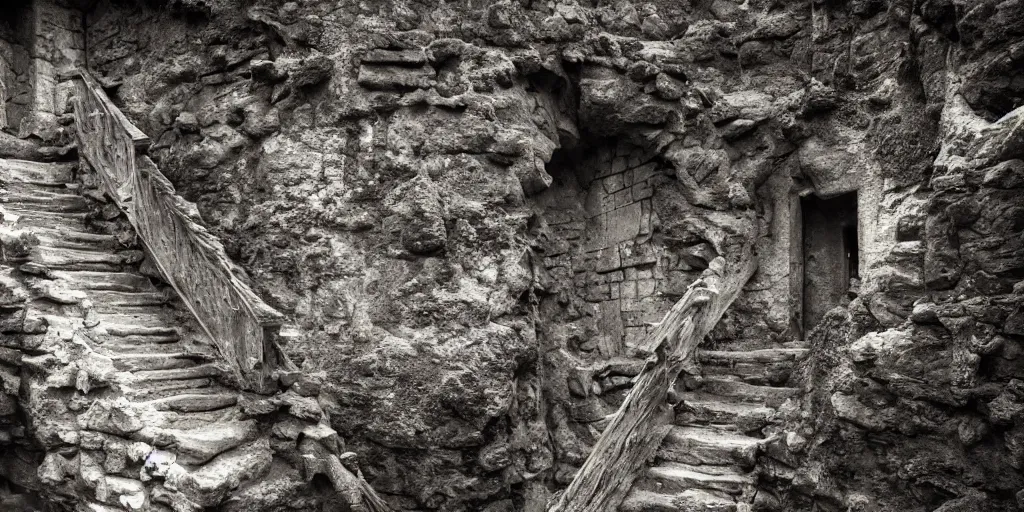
pixel 735 387
pixel 47 202
pixel 770 355
pixel 127 298
pixel 723 403
pixel 156 317
pixel 23 219
pixel 205 370
pixel 25 171
pixel 710 436
pixel 690 500
pixel 104 280
pixel 151 387
pixel 729 473
pixel 707 446
pixel 59 258
pixel 206 484
pixel 157 360
pixel 196 401
pixel 201 443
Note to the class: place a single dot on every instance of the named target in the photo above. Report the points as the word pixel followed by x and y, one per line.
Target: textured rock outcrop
pixel 472 213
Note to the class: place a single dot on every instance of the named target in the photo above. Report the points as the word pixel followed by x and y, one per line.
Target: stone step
pixel 38 173
pixel 195 372
pixel 195 402
pixel 39 188
pixel 734 387
pixel 21 219
pixel 692 500
pixel 45 201
pixel 723 412
pixel 112 300
pixel 198 445
pixel 164 388
pixel 55 291
pixel 706 446
pixel 163 332
pixel 110 281
pixel 156 318
pixel 156 361
pixel 766 374
pixel 71 239
pixel 135 342
pixel 675 477
pixel 209 484
pixel 772 355
pixel 56 258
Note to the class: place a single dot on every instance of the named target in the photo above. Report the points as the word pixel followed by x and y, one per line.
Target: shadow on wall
pixel 15 60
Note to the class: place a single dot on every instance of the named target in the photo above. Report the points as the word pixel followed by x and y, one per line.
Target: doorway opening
pixel 831 254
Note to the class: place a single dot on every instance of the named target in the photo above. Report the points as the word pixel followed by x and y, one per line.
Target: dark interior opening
pixel 850 245
pixel 831 259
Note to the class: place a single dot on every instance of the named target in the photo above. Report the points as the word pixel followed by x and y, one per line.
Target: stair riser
pixel 153 363
pixel 195 403
pixel 773 374
pixel 698 454
pixel 746 422
pixel 48 204
pixel 657 483
pixel 105 281
pixel 767 356
pixel 770 396
pixel 690 501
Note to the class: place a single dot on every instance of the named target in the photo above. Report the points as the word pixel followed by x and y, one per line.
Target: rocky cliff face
pixel 461 206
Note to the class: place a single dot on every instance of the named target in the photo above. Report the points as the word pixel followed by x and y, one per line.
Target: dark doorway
pixel 831 256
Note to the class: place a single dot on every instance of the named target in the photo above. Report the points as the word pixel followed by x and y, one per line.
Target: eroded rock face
pixel 460 207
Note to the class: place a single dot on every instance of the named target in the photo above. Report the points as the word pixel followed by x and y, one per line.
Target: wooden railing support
pixel 191 259
pixel 638 428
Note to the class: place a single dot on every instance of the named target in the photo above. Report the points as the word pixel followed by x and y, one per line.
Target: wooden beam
pixel 139 139
pixel 350 485
pixel 643 420
pixel 191 259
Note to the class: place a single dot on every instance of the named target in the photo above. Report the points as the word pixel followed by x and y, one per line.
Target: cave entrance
pixel 831 254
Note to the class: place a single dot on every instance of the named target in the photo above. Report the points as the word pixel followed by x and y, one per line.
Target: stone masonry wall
pixel 58 46
pixel 602 242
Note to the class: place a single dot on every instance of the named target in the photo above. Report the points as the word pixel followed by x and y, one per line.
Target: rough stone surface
pixel 471 212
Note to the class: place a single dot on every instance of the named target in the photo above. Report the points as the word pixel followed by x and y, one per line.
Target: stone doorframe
pixel 56 45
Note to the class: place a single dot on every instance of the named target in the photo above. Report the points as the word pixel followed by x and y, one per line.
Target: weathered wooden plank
pixel 191 259
pixel 352 488
pixel 139 139
pixel 644 418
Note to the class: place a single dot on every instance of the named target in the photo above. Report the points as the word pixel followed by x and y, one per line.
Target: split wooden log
pixel 643 420
pixel 354 490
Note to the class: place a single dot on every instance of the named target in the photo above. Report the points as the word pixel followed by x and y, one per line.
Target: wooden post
pixel 191 259
pixel 645 417
pixel 353 489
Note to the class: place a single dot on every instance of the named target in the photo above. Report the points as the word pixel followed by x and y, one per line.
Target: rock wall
pixel 468 211
pixel 15 40
pixel 913 401
pixel 57 48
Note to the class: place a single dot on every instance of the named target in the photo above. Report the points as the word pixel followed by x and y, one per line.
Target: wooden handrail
pixel 191 259
pixel 641 423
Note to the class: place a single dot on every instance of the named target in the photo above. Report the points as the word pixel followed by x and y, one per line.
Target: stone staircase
pixel 707 461
pixel 125 391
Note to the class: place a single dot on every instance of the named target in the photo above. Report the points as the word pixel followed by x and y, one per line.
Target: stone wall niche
pixel 57 47
pixel 601 245
pixel 830 254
